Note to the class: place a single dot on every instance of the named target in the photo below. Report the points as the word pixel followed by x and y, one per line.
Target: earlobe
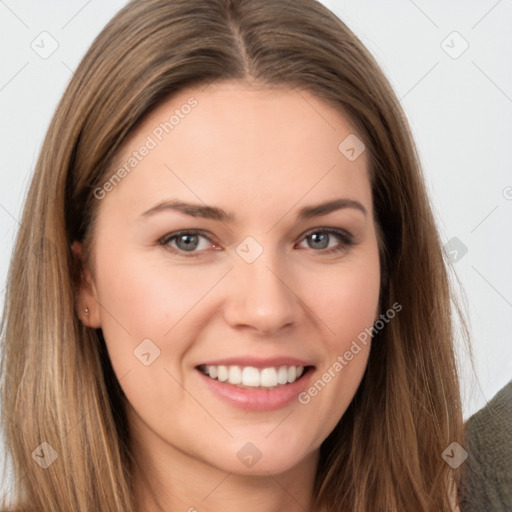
pixel 88 308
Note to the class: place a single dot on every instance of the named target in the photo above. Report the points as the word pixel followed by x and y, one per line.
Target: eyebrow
pixel 215 213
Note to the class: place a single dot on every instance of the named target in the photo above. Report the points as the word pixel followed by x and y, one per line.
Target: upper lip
pixel 257 362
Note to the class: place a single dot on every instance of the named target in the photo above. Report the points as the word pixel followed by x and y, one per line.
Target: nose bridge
pixel 261 296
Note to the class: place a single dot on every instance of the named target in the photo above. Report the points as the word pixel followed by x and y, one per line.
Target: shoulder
pixel 489 435
pixel 486 476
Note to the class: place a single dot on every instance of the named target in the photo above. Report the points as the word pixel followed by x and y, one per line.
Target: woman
pixel 239 299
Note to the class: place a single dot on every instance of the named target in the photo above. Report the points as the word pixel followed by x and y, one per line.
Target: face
pixel 240 243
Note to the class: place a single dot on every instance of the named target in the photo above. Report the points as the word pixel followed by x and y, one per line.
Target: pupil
pixel 187 242
pixel 319 240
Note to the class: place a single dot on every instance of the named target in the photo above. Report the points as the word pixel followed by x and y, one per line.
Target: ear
pixel 88 295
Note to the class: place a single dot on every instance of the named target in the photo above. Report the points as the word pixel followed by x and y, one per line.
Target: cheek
pixel 347 306
pixel 144 298
pixel 347 302
pixel 147 298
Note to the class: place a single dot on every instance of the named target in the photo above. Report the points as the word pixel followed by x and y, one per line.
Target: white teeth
pixel 282 375
pixel 269 377
pixel 222 373
pixel 253 377
pixel 250 376
pixel 235 375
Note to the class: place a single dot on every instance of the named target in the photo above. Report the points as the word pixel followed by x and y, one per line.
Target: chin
pixel 261 458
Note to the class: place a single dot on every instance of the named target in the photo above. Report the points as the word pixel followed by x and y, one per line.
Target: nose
pixel 261 296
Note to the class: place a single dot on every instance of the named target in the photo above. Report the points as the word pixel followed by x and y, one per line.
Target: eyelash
pixel 346 238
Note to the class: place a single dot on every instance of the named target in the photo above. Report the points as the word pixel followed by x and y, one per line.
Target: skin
pixel 261 155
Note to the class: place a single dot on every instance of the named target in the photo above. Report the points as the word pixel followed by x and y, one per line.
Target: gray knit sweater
pixel 486 475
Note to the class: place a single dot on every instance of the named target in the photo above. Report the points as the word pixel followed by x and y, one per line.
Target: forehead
pixel 230 141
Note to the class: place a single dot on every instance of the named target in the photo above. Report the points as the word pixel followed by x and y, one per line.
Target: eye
pixel 193 242
pixel 322 239
pixel 186 242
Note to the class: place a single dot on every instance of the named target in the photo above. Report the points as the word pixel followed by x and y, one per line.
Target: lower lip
pixel 258 399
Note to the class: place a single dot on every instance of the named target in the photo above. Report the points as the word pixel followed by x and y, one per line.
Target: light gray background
pixel 460 110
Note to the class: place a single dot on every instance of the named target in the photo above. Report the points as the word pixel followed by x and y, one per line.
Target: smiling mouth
pixel 249 377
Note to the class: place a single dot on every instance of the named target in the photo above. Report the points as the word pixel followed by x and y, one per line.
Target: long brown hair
pixel 58 386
